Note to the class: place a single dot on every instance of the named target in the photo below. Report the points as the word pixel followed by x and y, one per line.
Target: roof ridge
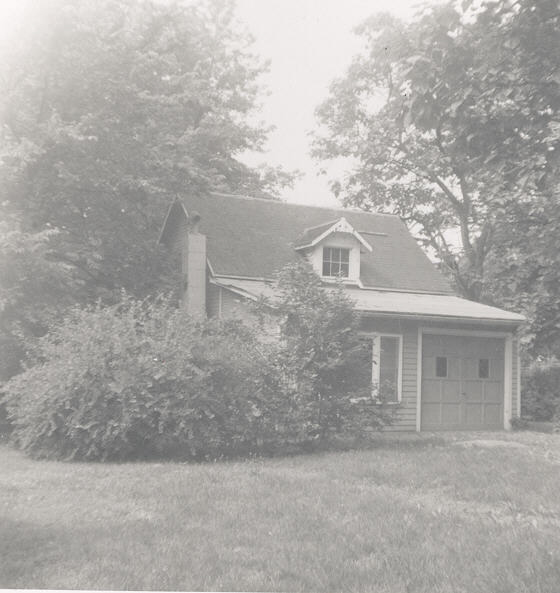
pixel 285 203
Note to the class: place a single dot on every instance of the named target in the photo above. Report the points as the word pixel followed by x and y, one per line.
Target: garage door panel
pixel 471 394
pixel 470 367
pixel 473 391
pixel 428 367
pixel 451 414
pixel 473 415
pixel 451 390
pixel 493 415
pixel 454 367
pixel 496 369
pixel 431 348
pixel 431 414
pixel 493 391
pixel 431 391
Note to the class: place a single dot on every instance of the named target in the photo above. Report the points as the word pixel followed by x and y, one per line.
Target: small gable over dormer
pixel 334 249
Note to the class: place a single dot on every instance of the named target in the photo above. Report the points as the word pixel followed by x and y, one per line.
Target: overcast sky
pixel 308 43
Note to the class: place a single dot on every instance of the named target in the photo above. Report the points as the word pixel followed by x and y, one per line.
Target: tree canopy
pixel 109 109
pixel 453 122
pixel 112 108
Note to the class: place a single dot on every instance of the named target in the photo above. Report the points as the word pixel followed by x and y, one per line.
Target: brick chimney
pixel 195 268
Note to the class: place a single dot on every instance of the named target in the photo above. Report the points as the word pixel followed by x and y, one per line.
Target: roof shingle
pixel 254 238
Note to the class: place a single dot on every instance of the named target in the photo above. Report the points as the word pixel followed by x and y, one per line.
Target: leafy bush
pixel 519 423
pixel 540 399
pixel 139 379
pixel 328 364
pixel 143 379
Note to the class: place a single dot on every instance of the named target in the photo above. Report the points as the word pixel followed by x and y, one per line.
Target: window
pixel 386 368
pixel 336 261
pixel 483 368
pixel 441 366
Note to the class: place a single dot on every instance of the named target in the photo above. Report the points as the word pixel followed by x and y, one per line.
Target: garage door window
pixel 387 368
pixel 483 368
pixel 441 366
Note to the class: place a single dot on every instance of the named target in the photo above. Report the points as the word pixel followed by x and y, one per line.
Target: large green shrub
pixel 328 363
pixel 540 393
pixel 140 379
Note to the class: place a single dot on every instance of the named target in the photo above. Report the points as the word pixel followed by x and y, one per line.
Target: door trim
pixel 508 365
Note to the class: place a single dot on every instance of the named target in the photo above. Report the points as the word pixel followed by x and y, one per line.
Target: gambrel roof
pixel 254 238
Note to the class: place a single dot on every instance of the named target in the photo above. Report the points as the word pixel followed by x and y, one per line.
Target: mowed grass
pixel 406 515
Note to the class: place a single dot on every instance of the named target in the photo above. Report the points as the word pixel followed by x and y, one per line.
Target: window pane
pixel 336 261
pixel 483 368
pixel 388 368
pixel 441 366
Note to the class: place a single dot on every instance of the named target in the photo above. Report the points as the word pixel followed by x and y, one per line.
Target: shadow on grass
pixel 333 444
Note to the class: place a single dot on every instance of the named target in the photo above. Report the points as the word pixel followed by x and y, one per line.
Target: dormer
pixel 334 249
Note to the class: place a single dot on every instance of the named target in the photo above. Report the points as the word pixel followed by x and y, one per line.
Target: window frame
pixel 376 367
pixel 330 261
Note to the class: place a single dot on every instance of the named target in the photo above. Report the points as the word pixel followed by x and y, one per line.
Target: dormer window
pixel 336 262
pixel 334 250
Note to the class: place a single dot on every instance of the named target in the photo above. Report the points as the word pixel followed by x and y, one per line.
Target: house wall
pixel 224 303
pixel 212 300
pixel 404 419
pixel 405 414
pixel 233 305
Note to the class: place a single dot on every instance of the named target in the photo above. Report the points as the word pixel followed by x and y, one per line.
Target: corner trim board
pixel 508 380
pixel 419 383
pixel 518 381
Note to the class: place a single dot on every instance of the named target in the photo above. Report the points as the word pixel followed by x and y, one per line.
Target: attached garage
pixel 462 382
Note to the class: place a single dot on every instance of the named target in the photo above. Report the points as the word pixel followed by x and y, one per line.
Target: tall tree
pixel 32 289
pixel 450 121
pixel 109 109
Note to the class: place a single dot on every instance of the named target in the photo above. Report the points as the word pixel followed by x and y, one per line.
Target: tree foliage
pixel 142 379
pixel 111 108
pixel 452 121
pixel 33 289
pixel 108 110
pixel 327 364
pixel 138 379
pixel 541 391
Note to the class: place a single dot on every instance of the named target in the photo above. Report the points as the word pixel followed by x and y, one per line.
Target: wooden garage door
pixel 462 383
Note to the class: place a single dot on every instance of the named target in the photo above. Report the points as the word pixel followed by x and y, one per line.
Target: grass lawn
pixel 407 515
